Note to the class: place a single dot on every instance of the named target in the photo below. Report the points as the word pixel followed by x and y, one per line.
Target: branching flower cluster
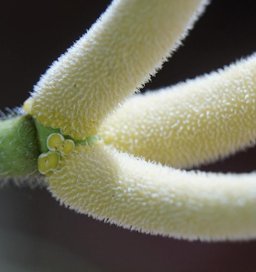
pixel 118 157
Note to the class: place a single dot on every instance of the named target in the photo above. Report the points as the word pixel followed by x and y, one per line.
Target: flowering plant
pixel 76 115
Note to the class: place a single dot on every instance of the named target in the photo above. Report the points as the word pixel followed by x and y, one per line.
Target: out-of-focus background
pixel 36 233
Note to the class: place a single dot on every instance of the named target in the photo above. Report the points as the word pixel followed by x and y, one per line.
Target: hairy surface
pixel 130 192
pixel 126 45
pixel 186 125
pixel 198 121
pixel 18 147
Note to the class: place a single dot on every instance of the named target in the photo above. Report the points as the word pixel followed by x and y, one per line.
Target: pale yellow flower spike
pixel 130 192
pixel 129 42
pixel 198 121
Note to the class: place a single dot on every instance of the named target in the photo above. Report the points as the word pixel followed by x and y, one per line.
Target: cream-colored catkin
pixel 151 198
pixel 192 123
pixel 126 45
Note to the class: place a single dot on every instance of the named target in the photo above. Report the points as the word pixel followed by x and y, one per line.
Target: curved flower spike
pixel 199 121
pixel 129 42
pixel 130 192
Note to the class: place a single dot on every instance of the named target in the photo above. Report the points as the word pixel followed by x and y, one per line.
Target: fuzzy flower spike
pixel 199 121
pixel 75 113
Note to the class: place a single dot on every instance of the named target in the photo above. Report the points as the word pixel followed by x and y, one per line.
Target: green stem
pixel 18 146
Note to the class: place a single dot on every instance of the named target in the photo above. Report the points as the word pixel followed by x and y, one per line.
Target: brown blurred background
pixel 36 233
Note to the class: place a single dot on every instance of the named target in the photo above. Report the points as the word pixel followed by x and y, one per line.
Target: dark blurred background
pixel 36 233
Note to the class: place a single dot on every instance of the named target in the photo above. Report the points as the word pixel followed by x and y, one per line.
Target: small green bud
pixel 68 147
pixel 93 139
pixel 47 162
pixel 55 141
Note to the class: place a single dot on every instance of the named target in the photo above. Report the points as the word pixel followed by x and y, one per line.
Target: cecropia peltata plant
pixel 116 156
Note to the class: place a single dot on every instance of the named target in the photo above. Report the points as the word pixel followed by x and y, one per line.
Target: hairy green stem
pixel 19 147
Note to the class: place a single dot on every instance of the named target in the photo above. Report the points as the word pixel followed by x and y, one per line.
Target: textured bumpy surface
pixel 191 123
pixel 118 188
pixel 117 55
